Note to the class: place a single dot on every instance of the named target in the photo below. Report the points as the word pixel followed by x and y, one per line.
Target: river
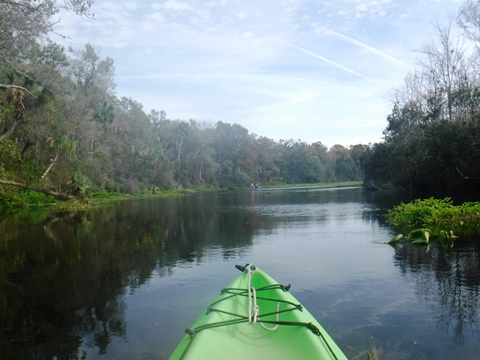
pixel 124 280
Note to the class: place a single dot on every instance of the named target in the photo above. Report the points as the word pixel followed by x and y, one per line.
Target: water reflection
pixel 449 281
pixel 87 284
pixel 64 278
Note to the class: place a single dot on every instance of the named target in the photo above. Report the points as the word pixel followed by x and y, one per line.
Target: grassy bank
pixel 26 199
pixel 31 199
pixel 320 184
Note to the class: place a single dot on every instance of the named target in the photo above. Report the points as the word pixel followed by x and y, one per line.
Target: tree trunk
pixel 57 195
pixel 50 166
pixel 10 130
pixel 18 94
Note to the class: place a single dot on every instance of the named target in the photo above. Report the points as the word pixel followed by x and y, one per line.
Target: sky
pixel 315 71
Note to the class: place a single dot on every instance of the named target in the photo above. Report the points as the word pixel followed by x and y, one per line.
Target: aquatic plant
pixel 427 219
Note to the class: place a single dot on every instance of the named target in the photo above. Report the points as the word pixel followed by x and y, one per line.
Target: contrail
pixel 362 45
pixel 353 72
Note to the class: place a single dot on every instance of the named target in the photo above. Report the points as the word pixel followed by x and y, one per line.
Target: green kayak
pixel 254 317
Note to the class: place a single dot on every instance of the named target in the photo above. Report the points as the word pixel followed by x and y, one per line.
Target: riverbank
pixel 30 199
pixel 320 184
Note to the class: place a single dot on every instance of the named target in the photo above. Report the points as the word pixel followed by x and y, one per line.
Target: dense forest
pixel 64 131
pixel 62 128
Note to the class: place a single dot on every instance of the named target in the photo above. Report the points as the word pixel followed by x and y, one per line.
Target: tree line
pixel 64 131
pixel 432 138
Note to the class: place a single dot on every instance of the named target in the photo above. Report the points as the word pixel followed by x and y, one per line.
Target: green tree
pixel 235 152
pixel 268 162
pixel 343 164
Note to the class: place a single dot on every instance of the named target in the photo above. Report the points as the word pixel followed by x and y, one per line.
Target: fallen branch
pixel 373 186
pixel 57 195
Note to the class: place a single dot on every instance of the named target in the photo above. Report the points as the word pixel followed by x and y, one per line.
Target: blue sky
pixel 283 69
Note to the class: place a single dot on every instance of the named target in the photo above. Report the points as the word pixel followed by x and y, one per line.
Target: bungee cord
pixel 253 313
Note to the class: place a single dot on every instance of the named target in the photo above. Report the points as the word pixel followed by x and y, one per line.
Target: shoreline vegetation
pixel 33 199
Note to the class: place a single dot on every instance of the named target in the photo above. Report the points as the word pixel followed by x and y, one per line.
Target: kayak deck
pixel 254 317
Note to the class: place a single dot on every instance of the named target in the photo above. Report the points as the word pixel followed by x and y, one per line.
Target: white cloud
pixel 241 15
pixel 360 10
pixel 176 5
pixel 306 69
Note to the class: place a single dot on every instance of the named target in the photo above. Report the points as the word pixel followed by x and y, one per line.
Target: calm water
pixel 124 281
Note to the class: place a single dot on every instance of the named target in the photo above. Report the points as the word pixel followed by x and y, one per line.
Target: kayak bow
pixel 254 317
